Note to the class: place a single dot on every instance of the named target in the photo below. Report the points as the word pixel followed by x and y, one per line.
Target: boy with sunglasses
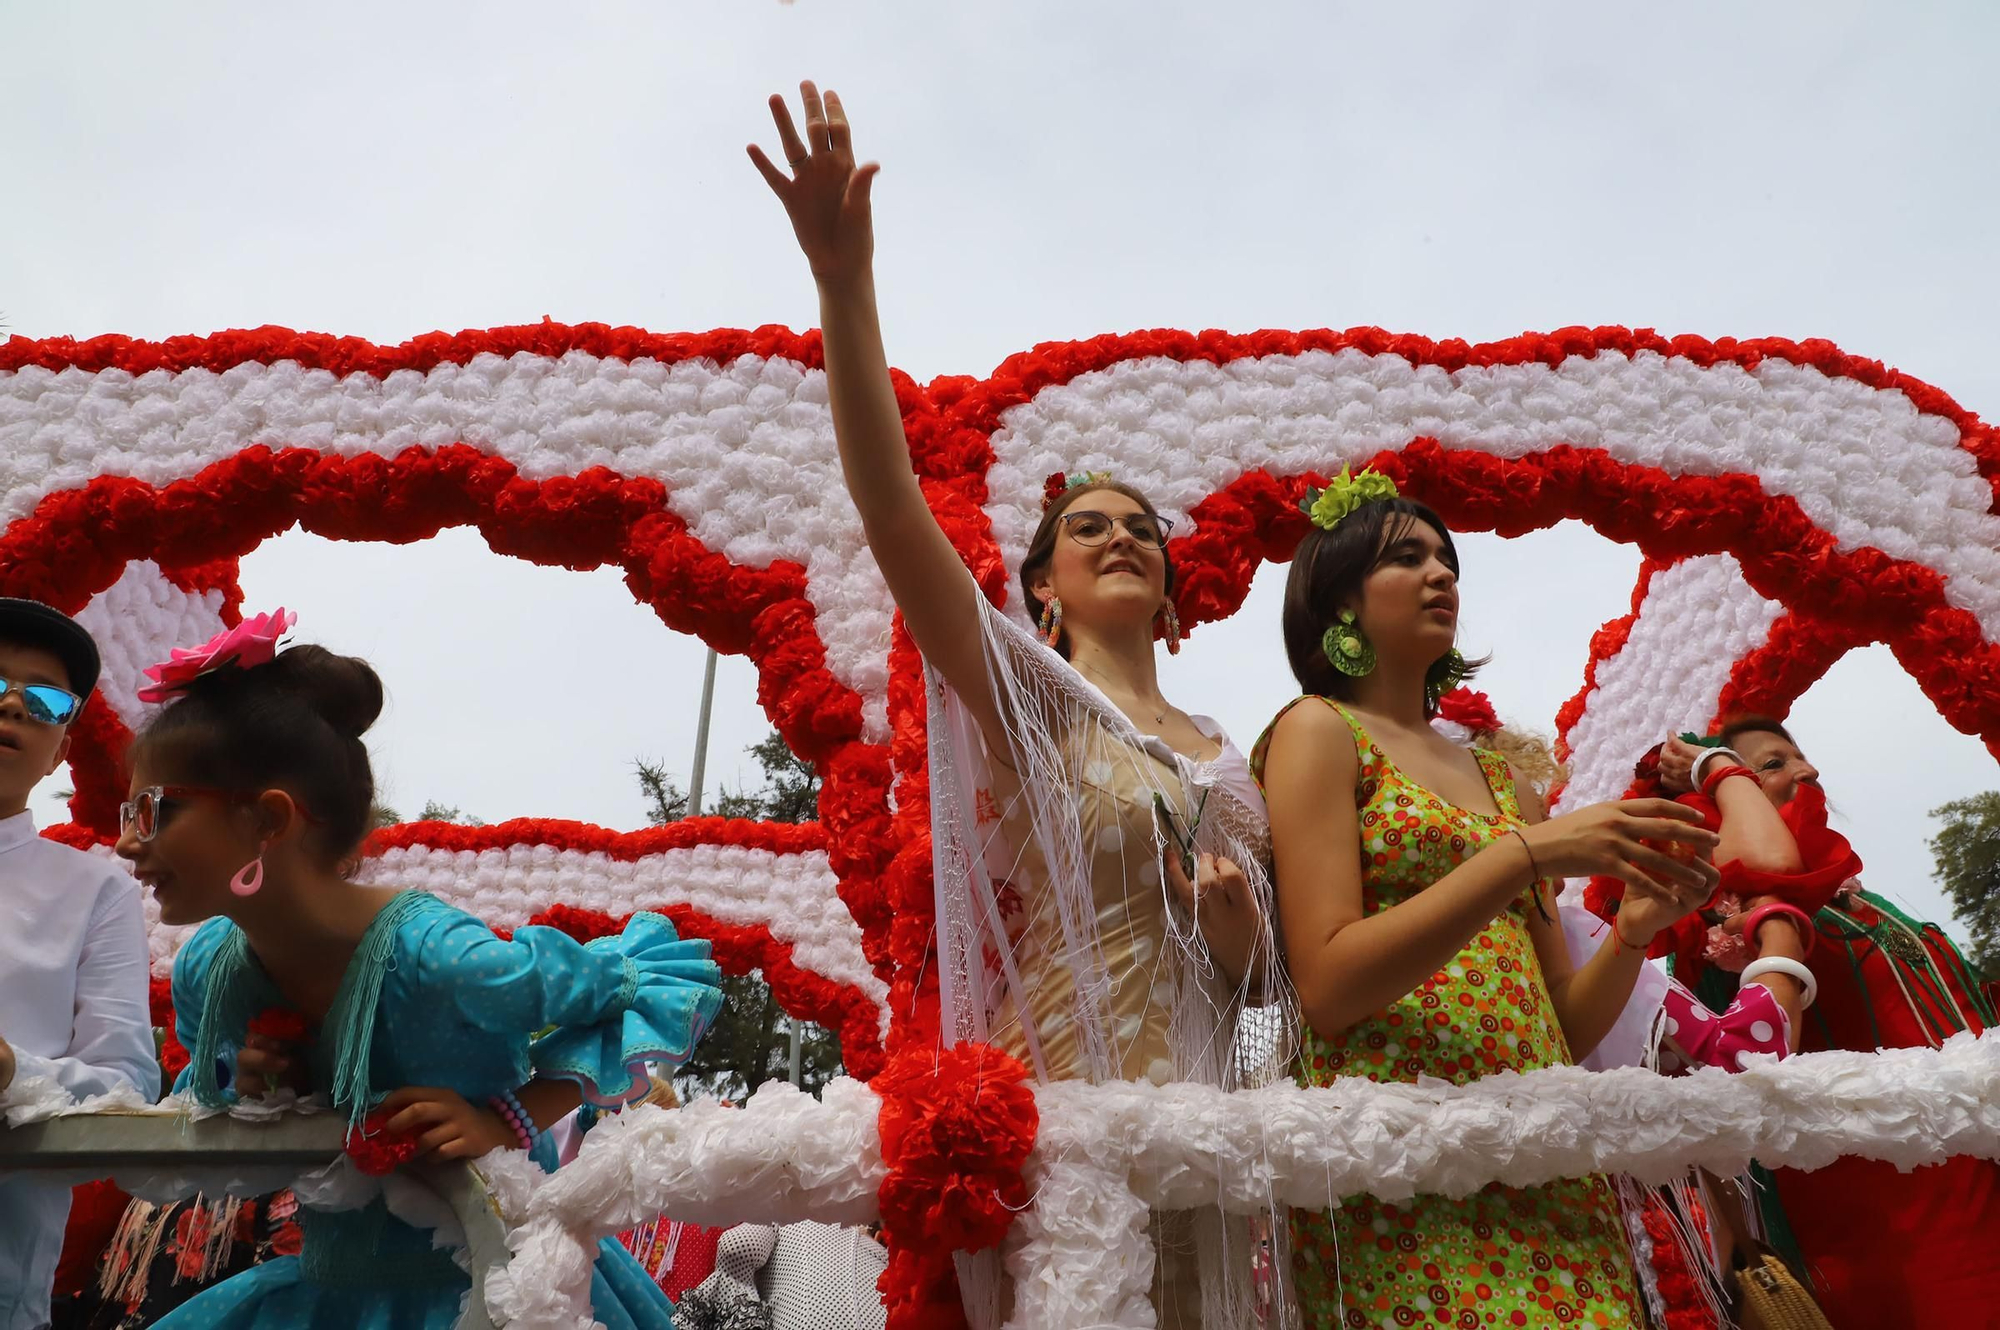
pixel 73 964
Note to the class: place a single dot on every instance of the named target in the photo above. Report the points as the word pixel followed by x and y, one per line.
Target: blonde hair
pixel 1529 752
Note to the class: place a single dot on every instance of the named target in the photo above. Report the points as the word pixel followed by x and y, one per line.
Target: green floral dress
pixel 1545 1256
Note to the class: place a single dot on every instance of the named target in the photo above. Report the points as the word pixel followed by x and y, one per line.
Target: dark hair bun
pixel 344 690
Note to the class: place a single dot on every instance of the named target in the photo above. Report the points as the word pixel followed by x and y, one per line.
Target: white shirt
pixel 73 971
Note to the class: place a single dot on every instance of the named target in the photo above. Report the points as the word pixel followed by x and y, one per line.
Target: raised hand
pixel 826 194
pixel 1677 757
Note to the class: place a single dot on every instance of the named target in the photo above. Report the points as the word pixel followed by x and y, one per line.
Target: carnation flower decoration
pixel 1345 493
pixel 250 643
pixel 1060 483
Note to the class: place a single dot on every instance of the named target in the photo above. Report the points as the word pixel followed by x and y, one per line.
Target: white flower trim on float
pixel 790 894
pixel 1107 1154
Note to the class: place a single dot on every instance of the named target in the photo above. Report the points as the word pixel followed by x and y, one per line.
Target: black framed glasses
pixel 1094 528
pixel 44 701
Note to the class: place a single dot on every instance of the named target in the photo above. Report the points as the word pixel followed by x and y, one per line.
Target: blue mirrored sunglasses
pixel 45 702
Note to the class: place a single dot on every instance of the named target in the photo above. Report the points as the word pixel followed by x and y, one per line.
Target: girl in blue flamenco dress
pixel 251 793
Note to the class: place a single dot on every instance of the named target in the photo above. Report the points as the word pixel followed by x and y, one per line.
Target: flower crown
pixel 1060 483
pixel 250 643
pixel 1343 494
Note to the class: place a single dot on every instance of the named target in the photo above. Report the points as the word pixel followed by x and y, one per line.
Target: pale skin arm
pixel 827 199
pixel 1346 965
pixel 1589 998
pixel 7 1064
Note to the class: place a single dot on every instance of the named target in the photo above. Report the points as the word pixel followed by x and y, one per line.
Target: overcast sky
pixel 1052 170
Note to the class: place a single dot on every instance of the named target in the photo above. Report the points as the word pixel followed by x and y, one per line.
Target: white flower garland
pixel 1698 619
pixel 1107 1154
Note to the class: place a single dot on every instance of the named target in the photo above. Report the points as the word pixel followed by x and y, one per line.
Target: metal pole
pixel 701 736
pixel 795 1050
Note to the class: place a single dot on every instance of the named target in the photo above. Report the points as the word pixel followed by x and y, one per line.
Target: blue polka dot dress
pixel 433 997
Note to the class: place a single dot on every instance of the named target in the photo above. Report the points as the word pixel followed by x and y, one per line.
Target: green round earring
pixel 1348 648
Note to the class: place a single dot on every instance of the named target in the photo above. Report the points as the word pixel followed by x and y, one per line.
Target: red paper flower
pixel 1462 706
pixel 251 642
pixel 956 1127
pixel 376 1150
pixel 280 1025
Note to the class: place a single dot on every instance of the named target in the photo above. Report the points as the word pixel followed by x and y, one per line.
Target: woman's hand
pixel 1677 758
pixel 451 1127
pixel 265 1064
pixel 1646 911
pixel 1223 907
pixel 826 195
pixel 8 1065
pixel 1655 844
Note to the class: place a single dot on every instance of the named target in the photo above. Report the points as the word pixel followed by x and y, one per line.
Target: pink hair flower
pixel 250 643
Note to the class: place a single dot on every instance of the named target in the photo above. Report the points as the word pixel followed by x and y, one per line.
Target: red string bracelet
pixel 1721 774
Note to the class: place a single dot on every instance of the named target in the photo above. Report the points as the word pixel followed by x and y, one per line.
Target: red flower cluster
pixel 376 1150
pixel 957 1124
pixel 1680 1288
pixel 281 1025
pixel 1462 706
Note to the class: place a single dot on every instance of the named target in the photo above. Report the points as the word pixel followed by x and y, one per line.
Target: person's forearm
pixel 1374 961
pixel 1778 937
pixel 1752 832
pixel 867 421
pixel 1590 1001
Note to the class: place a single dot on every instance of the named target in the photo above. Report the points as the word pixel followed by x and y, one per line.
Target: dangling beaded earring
pixel 1348 647
pixel 249 879
pixel 1052 621
pixel 1173 629
pixel 1447 674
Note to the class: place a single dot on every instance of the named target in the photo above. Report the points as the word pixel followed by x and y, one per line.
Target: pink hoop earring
pixel 249 879
pixel 1173 629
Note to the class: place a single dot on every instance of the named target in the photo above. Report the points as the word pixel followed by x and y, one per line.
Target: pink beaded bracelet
pixel 510 1111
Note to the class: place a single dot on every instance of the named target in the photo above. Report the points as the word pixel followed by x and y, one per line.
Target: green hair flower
pixel 1344 494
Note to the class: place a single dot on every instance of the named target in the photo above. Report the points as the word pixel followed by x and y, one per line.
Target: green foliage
pixel 1967 852
pixel 751 1041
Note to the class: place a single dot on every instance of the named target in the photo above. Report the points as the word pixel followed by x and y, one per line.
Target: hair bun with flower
pixel 1345 493
pixel 1060 483
pixel 250 643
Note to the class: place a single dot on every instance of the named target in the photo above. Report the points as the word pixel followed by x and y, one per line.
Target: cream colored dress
pixel 1061 942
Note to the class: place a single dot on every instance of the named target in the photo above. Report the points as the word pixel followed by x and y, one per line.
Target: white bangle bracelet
pixel 1694 771
pixel 1788 967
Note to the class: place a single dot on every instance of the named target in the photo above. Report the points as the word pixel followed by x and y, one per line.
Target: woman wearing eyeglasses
pixel 1104 903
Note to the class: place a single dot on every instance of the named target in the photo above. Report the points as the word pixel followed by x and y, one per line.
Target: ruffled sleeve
pixel 617 1002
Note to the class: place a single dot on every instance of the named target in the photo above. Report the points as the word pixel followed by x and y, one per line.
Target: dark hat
pixel 31 623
